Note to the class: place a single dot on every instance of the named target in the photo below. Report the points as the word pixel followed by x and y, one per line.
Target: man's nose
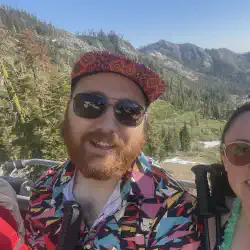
pixel 108 122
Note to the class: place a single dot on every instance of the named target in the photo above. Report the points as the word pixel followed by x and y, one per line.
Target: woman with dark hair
pixel 235 153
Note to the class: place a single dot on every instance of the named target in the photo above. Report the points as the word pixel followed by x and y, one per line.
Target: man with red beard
pixel 126 201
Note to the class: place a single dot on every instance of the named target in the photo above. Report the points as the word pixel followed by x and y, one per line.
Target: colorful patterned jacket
pixel 155 213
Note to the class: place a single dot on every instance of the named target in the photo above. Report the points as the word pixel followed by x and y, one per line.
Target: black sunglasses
pixel 93 105
pixel 237 153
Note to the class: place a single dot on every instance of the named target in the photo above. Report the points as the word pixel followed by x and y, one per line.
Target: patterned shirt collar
pixel 137 182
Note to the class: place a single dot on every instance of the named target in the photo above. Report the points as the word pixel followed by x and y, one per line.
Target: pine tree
pixel 216 111
pixel 197 119
pixel 170 142
pixel 192 122
pixel 184 138
pixel 177 139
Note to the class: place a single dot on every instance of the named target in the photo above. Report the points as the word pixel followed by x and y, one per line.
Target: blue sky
pixel 206 23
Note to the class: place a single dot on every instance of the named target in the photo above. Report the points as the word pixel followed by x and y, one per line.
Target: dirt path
pixel 179 171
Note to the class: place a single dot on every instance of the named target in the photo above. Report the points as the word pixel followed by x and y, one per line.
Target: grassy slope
pixel 166 115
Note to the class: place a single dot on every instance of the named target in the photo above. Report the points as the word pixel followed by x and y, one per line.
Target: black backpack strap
pixel 210 199
pixel 70 231
pixel 204 210
pixel 218 180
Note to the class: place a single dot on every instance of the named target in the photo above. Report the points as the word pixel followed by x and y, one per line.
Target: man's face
pixel 104 148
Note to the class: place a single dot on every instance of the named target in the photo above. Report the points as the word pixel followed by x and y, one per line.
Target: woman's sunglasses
pixel 92 106
pixel 237 153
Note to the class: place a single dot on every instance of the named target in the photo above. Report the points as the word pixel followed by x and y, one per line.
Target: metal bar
pixel 23 197
pixel 187 184
pixel 48 163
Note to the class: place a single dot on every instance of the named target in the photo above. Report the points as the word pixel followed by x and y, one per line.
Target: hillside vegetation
pixel 36 59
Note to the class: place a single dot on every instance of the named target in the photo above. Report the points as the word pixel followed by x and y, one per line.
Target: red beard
pixel 113 165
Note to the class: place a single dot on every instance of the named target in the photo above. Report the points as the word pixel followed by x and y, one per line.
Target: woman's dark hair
pixel 239 111
pixel 219 178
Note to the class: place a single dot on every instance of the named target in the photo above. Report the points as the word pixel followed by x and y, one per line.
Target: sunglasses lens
pixel 129 113
pixel 238 153
pixel 88 105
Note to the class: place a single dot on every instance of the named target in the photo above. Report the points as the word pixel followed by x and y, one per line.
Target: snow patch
pixel 180 161
pixel 156 53
pixel 210 144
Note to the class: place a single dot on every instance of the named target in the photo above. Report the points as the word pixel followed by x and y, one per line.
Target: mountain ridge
pixel 177 47
pixel 217 64
pixel 36 60
pixel 190 43
pixel 192 65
